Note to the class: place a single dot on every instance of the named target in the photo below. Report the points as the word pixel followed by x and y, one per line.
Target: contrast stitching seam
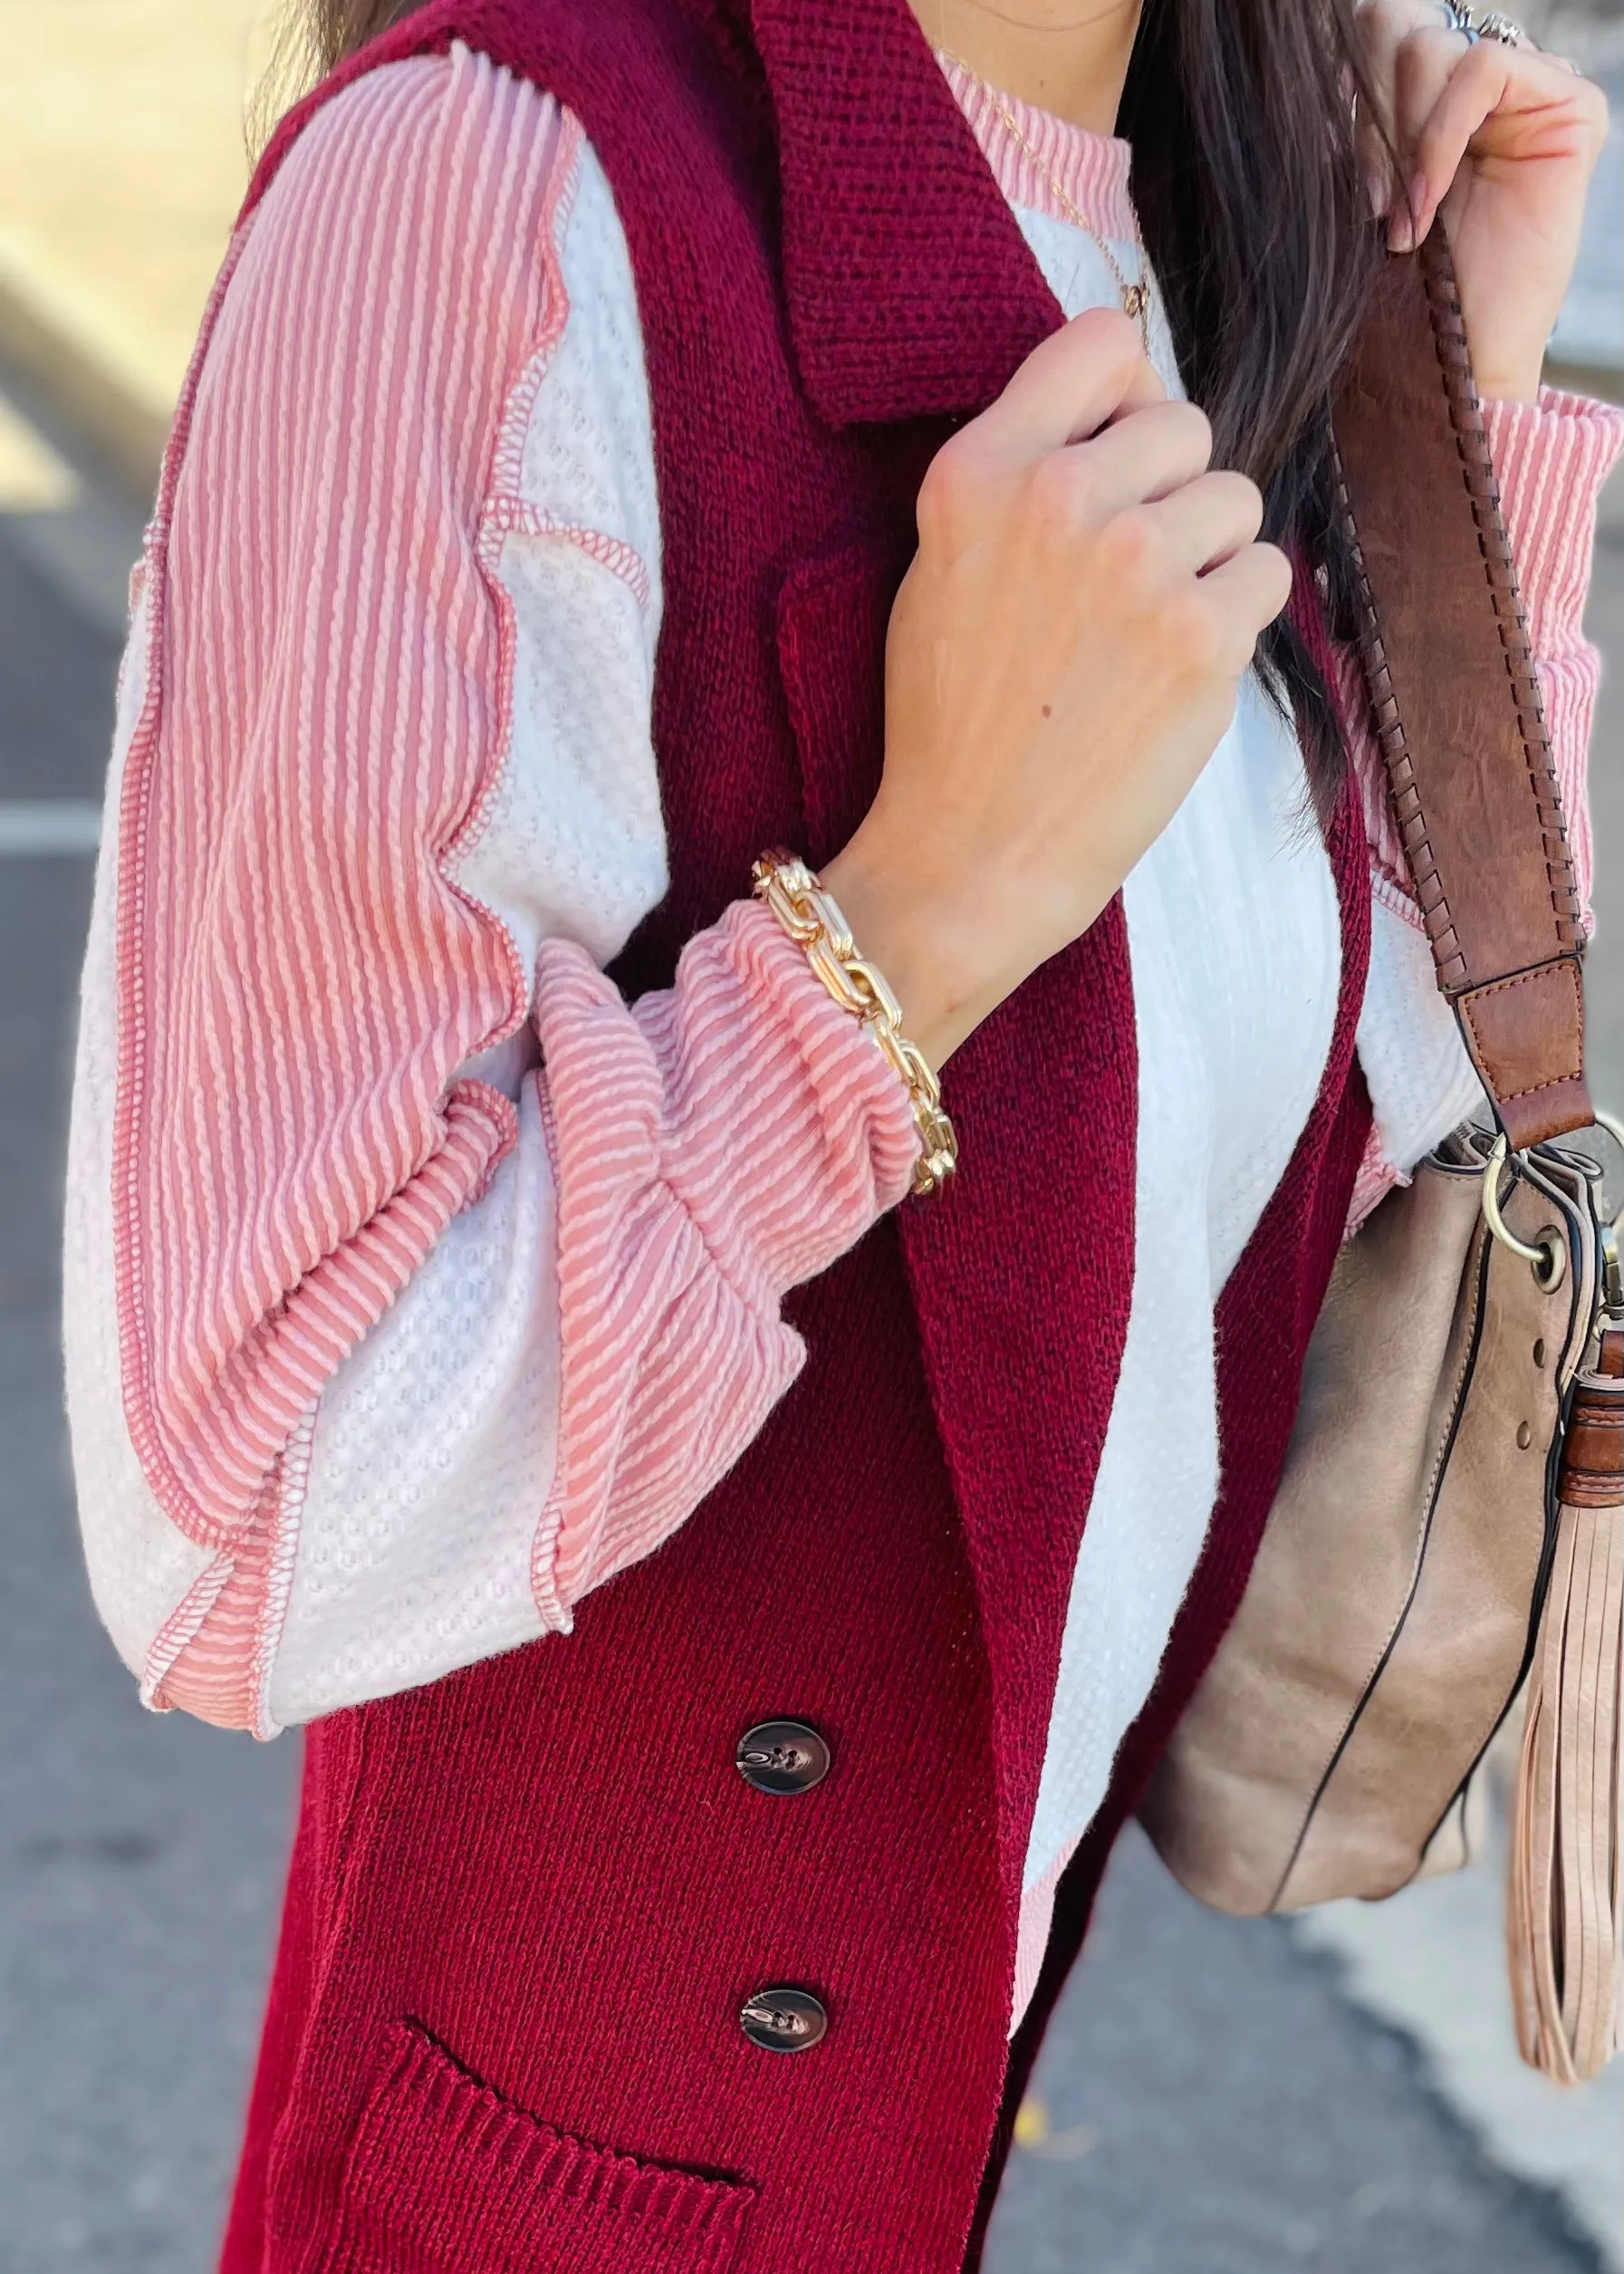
pixel 1530 979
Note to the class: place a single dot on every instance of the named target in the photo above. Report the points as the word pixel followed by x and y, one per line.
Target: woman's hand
pixel 1503 142
pixel 1064 657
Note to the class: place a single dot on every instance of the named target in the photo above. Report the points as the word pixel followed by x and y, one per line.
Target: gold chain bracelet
pixel 814 922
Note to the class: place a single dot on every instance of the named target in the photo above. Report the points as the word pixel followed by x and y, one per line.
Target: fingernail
pixel 1418 201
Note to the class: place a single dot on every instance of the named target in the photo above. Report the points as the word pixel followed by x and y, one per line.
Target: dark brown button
pixel 784 2020
pixel 782 1756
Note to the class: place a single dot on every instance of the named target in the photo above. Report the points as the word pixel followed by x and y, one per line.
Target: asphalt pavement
pixel 1211 2101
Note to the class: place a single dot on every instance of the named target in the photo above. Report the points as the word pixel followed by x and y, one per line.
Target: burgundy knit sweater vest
pixel 528 1903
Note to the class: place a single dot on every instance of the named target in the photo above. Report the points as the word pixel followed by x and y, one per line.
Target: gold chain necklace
pixel 1135 297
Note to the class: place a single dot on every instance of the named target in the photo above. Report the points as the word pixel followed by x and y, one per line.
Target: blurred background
pixel 1341 2094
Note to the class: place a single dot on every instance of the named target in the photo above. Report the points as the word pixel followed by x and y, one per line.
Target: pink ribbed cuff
pixel 1551 459
pixel 798 1145
pixel 714 1146
pixel 746 1088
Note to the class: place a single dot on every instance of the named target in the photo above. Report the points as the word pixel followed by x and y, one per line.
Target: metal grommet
pixel 1549 1260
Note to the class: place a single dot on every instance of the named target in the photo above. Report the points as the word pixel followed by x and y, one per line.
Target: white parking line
pixel 35 826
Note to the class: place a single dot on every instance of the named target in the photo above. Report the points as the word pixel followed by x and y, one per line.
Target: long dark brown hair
pixel 333 29
pixel 1249 187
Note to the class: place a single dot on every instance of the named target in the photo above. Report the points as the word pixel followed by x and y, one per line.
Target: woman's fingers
pixel 1445 97
pixel 1142 455
pixel 1250 592
pixel 1444 92
pixel 1384 25
pixel 1509 104
pixel 1092 371
pixel 1424 65
pixel 1208 521
pixel 1412 56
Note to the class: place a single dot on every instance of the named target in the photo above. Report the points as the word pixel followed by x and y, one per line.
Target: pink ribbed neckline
pixel 1090 170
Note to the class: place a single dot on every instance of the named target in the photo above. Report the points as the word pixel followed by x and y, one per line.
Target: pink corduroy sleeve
pixel 1551 460
pixel 300 975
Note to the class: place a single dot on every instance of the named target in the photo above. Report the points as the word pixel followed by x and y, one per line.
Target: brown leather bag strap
pixel 1456 699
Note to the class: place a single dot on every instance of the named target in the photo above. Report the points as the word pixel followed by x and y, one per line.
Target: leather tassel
pixel 1565 1913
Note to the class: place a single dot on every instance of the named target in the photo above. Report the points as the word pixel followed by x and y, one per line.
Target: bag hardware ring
pixel 1548 1260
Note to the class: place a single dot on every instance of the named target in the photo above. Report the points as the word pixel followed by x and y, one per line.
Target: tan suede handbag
pixel 1449 1534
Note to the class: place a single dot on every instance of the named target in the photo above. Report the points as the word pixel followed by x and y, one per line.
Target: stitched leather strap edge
pixel 1557 1100
pixel 1500 577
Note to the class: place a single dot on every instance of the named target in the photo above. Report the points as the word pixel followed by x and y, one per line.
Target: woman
pixel 466 1164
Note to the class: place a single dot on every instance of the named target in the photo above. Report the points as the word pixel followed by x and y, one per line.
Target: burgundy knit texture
pixel 549 1863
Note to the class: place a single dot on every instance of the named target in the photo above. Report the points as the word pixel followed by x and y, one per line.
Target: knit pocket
pixel 446 2177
